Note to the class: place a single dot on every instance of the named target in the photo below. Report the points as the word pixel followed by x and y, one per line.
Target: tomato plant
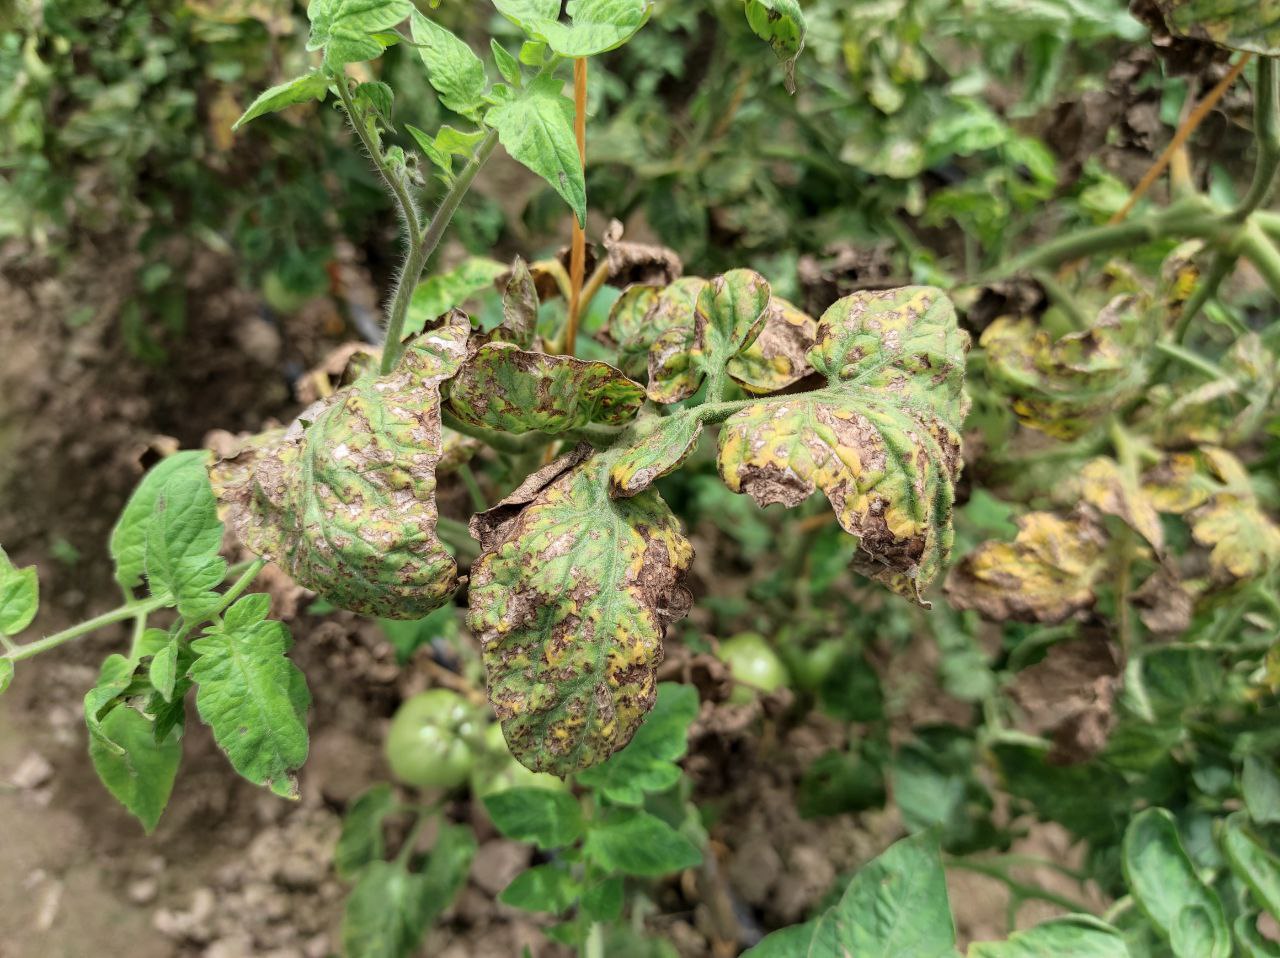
pixel 1016 564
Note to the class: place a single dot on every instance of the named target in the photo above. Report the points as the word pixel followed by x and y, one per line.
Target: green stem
pixel 407 208
pixel 478 500
pixel 1188 358
pixel 239 586
pixel 416 262
pixel 1266 129
pixel 1020 888
pixel 1061 298
pixel 455 533
pixel 1219 269
pixel 594 945
pixel 1258 249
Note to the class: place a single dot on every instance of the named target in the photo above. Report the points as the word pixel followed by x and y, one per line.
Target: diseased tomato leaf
pixel 1110 488
pixel 729 314
pixel 570 600
pixel 776 359
pixel 1249 25
pixel 1062 387
pixel 1046 574
pixel 344 500
pixel 881 440
pixel 514 390
pixel 781 24
pixel 651 449
pixel 643 313
pixel 594 26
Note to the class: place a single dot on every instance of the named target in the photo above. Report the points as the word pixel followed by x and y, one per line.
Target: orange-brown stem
pixel 578 251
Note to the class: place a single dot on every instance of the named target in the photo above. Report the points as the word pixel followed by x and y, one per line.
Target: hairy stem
pixel 407 208
pixel 420 250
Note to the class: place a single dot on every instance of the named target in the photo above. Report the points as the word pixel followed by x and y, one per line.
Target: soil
pixel 233 872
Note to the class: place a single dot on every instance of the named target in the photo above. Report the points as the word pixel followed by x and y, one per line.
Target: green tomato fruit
pixel 497 771
pixel 429 742
pixel 810 666
pixel 752 660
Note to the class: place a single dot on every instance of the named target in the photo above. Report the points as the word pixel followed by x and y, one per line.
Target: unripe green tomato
pixel 429 742
pixel 752 660
pixel 497 771
pixel 810 666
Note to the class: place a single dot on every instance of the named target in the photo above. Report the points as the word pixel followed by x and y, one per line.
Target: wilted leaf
pixel 730 313
pixel 629 263
pixel 776 359
pixel 1250 25
pixel 881 440
pixel 1178 484
pixel 1165 885
pixel 570 600
pixel 519 308
pixel 1245 543
pixel 643 313
pixel 1047 574
pixel 252 696
pixel 1229 409
pixel 340 367
pixel 453 69
pixel 1163 604
pixel 1061 387
pixel 344 501
pixel 781 24
pixel 344 28
pixel 310 86
pixel 19 596
pixel 594 26
pixel 1107 486
pixel 507 388
pixel 651 449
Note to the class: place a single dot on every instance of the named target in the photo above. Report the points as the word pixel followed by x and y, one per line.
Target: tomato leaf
pixel 1075 936
pixel 547 819
pixel 548 888
pixel 1164 883
pixel 508 388
pixel 309 86
pixel 183 539
pixel 648 763
pixel 881 440
pixel 1046 574
pixel 776 359
pixel 729 314
pixel 536 128
pixel 344 29
pixel 252 696
pixel 637 843
pixel 570 600
pixel 1252 864
pixel 361 841
pixel 452 67
pixel 1249 25
pixel 322 501
pixel 438 294
pixel 19 596
pixel 519 308
pixel 129 537
pixel 781 24
pixel 1116 490
pixel 135 768
pixel 594 26
pixel 652 448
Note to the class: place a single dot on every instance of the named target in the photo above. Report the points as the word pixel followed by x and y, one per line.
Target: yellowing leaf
pixel 1062 387
pixel 344 500
pixel 650 450
pixel 731 311
pixel 1106 485
pixel 881 440
pixel 776 359
pixel 1046 574
pixel 508 388
pixel 570 601
pixel 643 313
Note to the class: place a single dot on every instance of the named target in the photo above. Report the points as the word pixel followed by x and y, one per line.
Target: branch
pixel 1266 129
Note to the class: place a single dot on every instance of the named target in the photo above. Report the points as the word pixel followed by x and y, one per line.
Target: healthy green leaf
pixel 595 25
pixel 361 841
pixel 648 764
pixel 640 844
pixel 548 888
pixel 536 128
pixel 780 23
pixel 138 770
pixel 1076 936
pixel 1250 25
pixel 6 674
pixel 19 596
pixel 376 96
pixel 1165 885
pixel 438 294
pixel 253 698
pixel 603 901
pixel 115 675
pixel 895 905
pixel 183 539
pixel 1252 864
pixel 730 313
pixel 1252 943
pixel 546 818
pixel 129 537
pixel 507 65
pixel 1261 787
pixel 163 671
pixel 310 86
pixel 654 447
pixel 344 28
pixel 790 942
pixel 570 599
pixel 882 440
pixel 321 502
pixel 507 388
pixel 452 67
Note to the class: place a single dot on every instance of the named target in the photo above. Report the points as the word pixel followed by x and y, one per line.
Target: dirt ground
pixel 233 872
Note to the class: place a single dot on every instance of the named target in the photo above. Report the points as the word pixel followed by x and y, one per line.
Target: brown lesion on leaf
pixel 493 525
